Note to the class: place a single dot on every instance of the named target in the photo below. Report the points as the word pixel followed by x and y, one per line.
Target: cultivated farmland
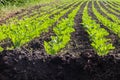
pixel 62 40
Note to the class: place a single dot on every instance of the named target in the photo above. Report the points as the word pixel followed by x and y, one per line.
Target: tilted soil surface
pixel 77 61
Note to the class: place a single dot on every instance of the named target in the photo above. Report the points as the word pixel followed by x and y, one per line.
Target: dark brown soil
pixel 78 60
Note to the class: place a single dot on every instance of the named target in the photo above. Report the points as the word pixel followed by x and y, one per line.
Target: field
pixel 62 40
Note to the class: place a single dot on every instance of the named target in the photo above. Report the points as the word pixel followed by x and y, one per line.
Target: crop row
pixel 97 34
pixel 116 3
pixel 112 6
pixel 33 15
pixel 24 31
pixel 112 11
pixel 20 32
pixel 113 26
pixel 63 32
pixel 113 17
